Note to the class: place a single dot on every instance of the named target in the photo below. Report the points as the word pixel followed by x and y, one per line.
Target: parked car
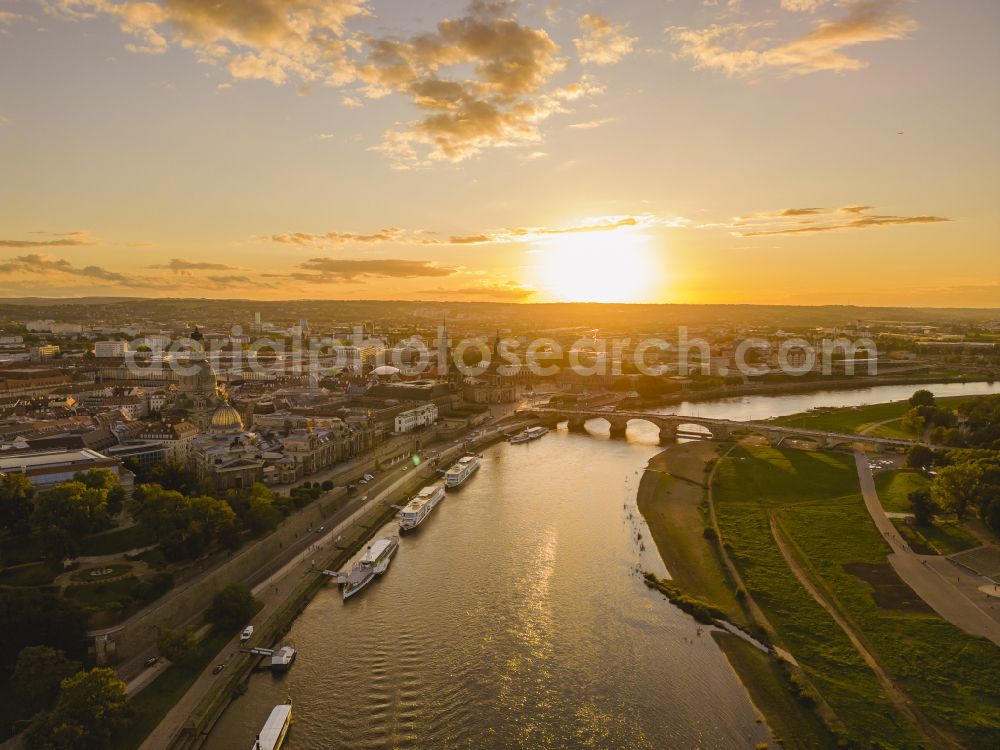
pixel 218 668
pixel 152 661
pixel 247 634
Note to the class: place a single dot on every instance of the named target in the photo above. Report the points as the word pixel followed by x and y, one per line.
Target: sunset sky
pixel 771 151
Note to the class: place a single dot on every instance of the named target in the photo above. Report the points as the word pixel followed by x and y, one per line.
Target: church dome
pixel 226 419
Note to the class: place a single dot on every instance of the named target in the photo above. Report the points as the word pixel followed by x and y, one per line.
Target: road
pixel 949 590
pixel 275 588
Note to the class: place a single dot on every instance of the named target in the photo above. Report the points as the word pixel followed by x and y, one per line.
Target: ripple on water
pixel 513 618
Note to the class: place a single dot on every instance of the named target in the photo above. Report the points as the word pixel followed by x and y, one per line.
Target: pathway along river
pixel 516 617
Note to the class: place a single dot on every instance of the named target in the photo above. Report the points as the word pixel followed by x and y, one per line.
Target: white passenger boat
pixel 457 475
pixel 420 507
pixel 532 433
pixel 272 736
pixel 281 660
pixel 374 563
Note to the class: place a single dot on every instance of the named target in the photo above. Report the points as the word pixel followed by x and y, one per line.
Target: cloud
pixel 801 6
pixel 271 40
pixel 502 290
pixel 65 239
pixel 479 80
pixel 183 267
pixel 498 93
pixel 849 217
pixel 603 43
pixel 600 224
pixel 325 270
pixel 821 49
pixel 391 234
pixel 592 124
pixel 48 266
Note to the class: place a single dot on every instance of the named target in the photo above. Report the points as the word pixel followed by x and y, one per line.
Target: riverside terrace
pixel 672 426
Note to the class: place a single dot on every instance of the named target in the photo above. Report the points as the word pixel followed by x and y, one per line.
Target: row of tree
pixel 966 479
pixel 61 515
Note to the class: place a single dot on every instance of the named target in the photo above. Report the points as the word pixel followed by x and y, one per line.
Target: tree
pixel 920 457
pixel 923 506
pixel 16 494
pixel 32 618
pixel 232 608
pixel 72 506
pixel 179 646
pixel 955 487
pixel 913 421
pixel 262 516
pixel 922 397
pixel 38 672
pixel 173 475
pixel 89 712
pixel 104 479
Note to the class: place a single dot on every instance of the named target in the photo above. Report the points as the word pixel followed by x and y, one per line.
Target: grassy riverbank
pixel 672 499
pixel 814 498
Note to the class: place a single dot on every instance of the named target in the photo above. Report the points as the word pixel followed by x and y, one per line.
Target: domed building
pixel 226 421
pixel 197 393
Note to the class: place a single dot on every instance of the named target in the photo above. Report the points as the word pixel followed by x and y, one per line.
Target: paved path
pixel 896 696
pixel 949 590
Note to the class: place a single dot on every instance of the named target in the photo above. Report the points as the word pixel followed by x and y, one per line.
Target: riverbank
pixel 805 386
pixel 302 581
pixel 672 498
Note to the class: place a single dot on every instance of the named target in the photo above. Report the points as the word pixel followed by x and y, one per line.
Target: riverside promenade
pixel 186 724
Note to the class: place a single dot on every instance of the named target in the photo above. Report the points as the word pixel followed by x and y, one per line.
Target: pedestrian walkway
pixel 949 590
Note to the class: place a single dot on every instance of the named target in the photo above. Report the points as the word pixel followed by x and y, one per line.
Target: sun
pixel 617 266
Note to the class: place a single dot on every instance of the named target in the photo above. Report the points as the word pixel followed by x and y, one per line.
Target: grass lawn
pixel 154 701
pixel 894 488
pixel 856 419
pixel 943 537
pixel 37 574
pixel 849 419
pixel 769 684
pixel 115 542
pixel 18 550
pixel 949 675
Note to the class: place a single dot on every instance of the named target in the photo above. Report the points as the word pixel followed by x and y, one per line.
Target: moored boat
pixel 272 735
pixel 531 433
pixel 281 660
pixel 414 513
pixel 374 563
pixel 457 475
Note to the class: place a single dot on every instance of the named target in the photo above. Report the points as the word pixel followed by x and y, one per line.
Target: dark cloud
pixel 323 270
pixel 65 239
pixel 183 267
pixel 47 266
pixel 770 224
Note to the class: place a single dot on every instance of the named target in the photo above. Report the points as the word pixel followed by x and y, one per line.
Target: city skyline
pixel 781 152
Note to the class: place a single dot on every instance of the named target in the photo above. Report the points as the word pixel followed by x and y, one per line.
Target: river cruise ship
pixel 414 513
pixel 272 736
pixel 374 563
pixel 532 433
pixel 457 475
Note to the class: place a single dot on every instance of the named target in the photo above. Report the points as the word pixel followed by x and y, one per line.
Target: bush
pixel 232 608
pixel 709 534
pixel 153 588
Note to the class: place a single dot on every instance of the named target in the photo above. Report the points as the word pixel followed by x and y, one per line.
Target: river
pixel 516 617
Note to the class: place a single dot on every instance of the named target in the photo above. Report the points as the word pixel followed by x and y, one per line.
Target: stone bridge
pixel 672 426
